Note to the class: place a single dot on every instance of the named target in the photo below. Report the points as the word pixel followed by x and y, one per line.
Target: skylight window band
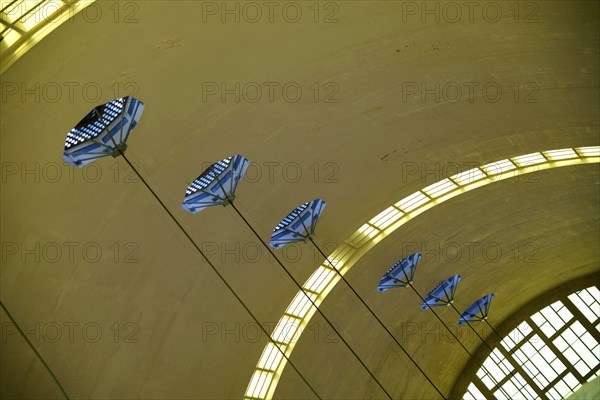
pixel 386 217
pixel 529 159
pixel 271 357
pixel 440 188
pixel 467 177
pixel 320 279
pixel 301 304
pixel 498 168
pixel 342 255
pixel 591 151
pixel 259 384
pixel 286 329
pixel 7 4
pixel 358 239
pixel 561 154
pixel 368 229
pixel 343 251
pixel 12 10
pixel 412 202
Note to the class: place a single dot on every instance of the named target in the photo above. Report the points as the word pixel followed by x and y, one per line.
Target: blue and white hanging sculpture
pixel 478 311
pixel 299 225
pixel 442 294
pixel 216 185
pixel 103 131
pixel 401 274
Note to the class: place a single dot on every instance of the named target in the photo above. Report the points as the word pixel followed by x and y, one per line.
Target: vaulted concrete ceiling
pixel 374 144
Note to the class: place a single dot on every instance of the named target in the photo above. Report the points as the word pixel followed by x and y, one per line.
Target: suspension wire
pixel 377 318
pixel 494 329
pixel 310 299
pixel 221 277
pixel 473 329
pixel 455 337
pixel 39 356
pixel 443 323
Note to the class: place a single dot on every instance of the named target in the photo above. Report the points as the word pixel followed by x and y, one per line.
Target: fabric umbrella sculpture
pixel 478 311
pixel 442 294
pixel 401 275
pixel 216 185
pixel 103 131
pixel 299 226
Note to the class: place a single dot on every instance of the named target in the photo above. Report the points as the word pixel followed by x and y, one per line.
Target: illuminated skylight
pixel 324 278
pixel 439 188
pixel 593 151
pixel 386 217
pixel 498 167
pixel 412 202
pixel 553 352
pixel 561 154
pixel 23 23
pixel 529 159
pixel 469 176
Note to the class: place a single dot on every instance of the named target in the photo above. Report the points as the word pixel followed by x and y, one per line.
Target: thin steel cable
pixel 456 338
pixel 378 319
pixel 219 274
pixel 312 302
pixel 39 356
pixel 473 329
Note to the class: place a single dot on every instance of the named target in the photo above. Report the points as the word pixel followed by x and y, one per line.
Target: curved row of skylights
pixel 23 23
pixel 548 356
pixel 271 363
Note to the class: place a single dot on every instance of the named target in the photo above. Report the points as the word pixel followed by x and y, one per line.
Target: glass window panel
pixel 538 360
pixel 560 343
pixel 571 355
pixel 473 393
pixel 558 366
pixel 565 314
pixel 488 382
pixel 578 328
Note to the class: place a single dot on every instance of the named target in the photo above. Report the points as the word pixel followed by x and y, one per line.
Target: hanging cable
pixel 38 355
pixel 216 271
pixel 377 318
pixel 310 299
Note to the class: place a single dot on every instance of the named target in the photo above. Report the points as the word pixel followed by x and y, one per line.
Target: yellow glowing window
pixel 593 151
pixel 498 167
pixel 386 217
pixel 342 254
pixel 286 329
pixel 270 358
pixel 319 279
pixel 301 304
pixel 368 230
pixel 469 176
pixel 440 188
pixel 561 154
pixel 41 12
pixel 529 159
pixel 411 202
pixel 259 384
